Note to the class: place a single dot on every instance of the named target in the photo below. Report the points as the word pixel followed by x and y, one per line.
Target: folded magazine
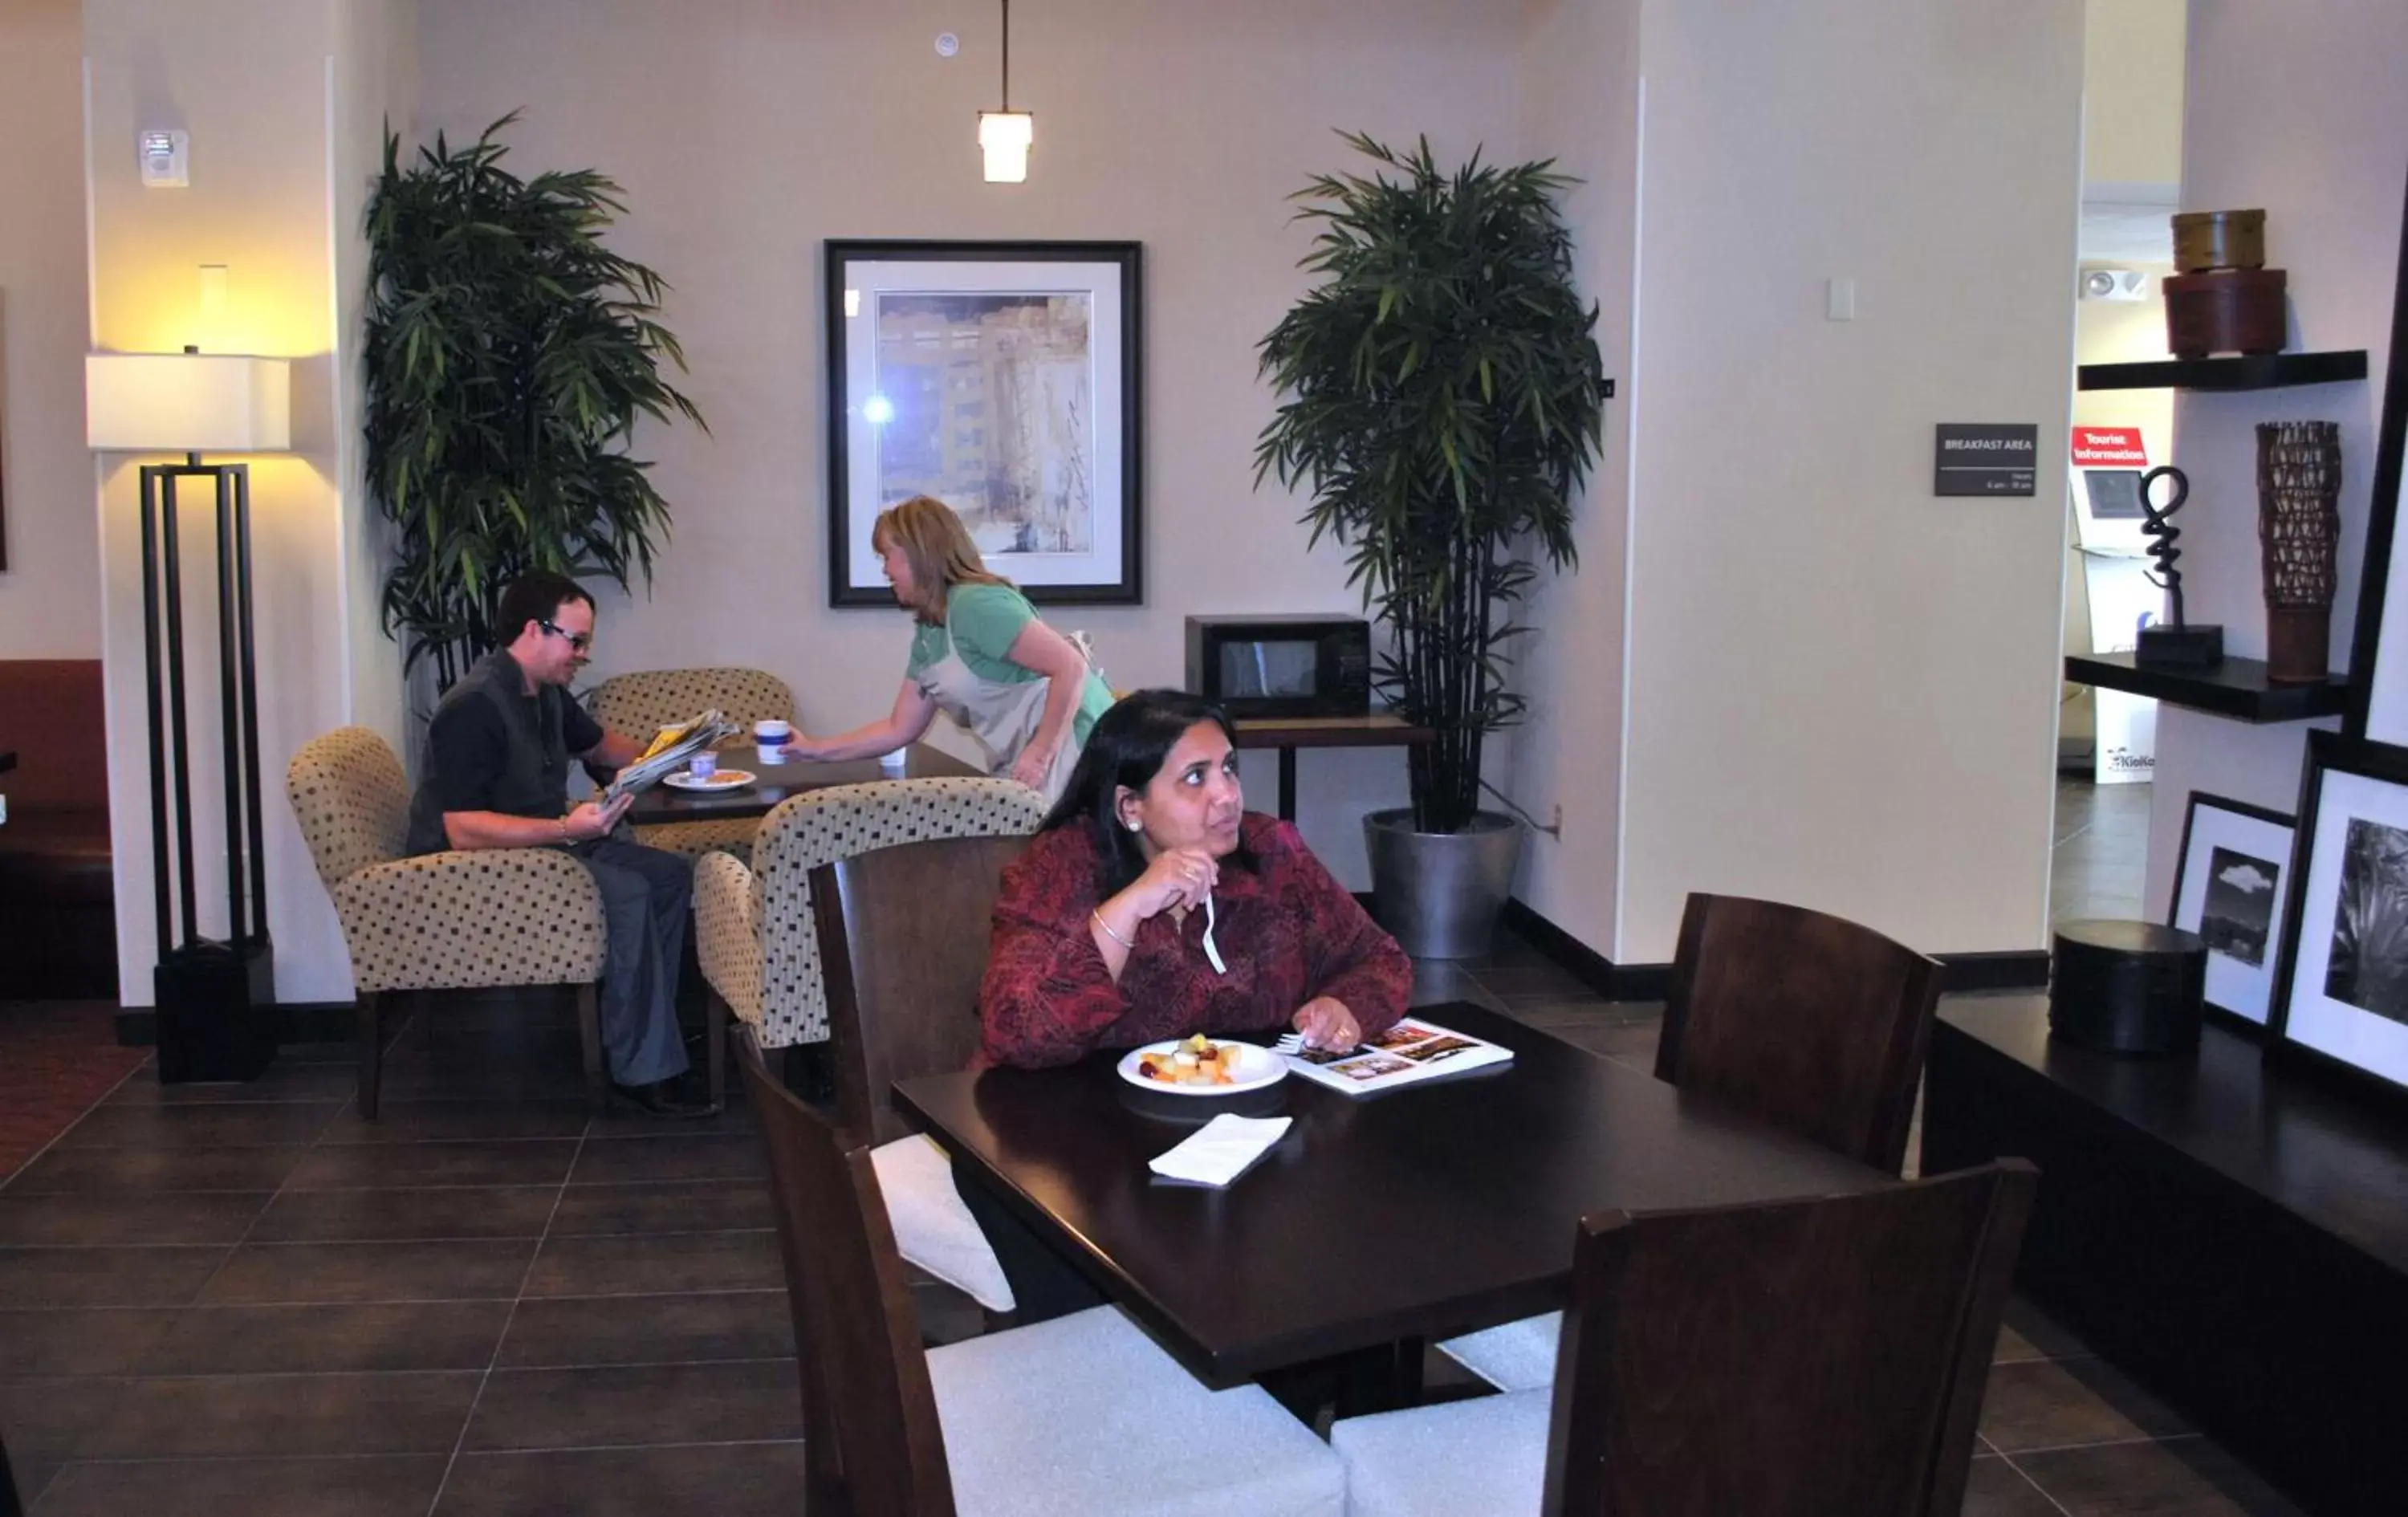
pixel 1413 1050
pixel 673 748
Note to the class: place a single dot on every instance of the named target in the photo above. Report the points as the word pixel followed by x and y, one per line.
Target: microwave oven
pixel 1281 665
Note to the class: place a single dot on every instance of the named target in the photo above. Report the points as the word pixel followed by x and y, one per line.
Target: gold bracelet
pixel 1096 916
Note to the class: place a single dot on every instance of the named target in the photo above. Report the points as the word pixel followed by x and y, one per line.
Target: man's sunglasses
pixel 580 642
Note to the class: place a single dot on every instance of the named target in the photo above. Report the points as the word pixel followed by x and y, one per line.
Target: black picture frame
pixel 2330 1030
pixel 2239 996
pixel 1101 563
pixel 2382 508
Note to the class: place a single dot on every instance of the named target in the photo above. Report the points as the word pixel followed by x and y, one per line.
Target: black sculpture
pixel 2175 643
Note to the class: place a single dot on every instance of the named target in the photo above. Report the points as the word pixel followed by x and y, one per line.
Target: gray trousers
pixel 647 899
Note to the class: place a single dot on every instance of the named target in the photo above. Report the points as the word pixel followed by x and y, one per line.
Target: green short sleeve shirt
pixel 984 621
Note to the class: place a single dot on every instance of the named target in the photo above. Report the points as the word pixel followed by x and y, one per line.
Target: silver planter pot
pixel 1440 893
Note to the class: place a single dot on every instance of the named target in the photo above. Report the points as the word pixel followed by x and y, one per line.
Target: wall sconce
pixel 1004 135
pixel 213 998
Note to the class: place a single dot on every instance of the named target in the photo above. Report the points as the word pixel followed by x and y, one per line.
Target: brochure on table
pixel 2107 467
pixel 1415 1049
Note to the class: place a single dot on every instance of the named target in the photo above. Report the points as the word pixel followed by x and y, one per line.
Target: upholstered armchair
pixel 752 926
pixel 640 704
pixel 450 921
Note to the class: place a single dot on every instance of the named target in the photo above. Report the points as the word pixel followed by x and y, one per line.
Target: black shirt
pixel 471 745
pixel 495 747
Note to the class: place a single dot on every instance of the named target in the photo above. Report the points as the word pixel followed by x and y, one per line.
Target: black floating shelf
pixel 2266 371
pixel 2236 688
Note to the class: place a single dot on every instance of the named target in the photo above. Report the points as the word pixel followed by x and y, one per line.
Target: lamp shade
pixel 1005 137
pixel 186 403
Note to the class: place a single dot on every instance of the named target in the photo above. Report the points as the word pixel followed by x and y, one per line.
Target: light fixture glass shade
pixel 1004 135
pixel 186 403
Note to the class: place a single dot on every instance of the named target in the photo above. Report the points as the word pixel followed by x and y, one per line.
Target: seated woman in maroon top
pixel 1101 936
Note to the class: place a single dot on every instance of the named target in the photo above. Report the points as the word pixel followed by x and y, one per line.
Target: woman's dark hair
pixel 535 595
pixel 1127 747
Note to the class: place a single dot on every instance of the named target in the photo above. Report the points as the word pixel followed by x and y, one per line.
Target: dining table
pixel 774 782
pixel 1376 1222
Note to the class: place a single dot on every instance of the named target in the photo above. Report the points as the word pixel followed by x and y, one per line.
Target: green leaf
pixel 508 354
pixel 1440 399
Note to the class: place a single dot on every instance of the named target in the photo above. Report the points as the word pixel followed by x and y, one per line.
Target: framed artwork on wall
pixel 2341 985
pixel 2229 888
pixel 3 431
pixel 1004 378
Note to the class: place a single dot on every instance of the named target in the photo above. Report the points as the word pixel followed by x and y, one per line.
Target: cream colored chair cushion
pixel 1514 1357
pixel 1485 1457
pixel 932 1227
pixel 451 921
pixel 1085 1416
pixel 728 934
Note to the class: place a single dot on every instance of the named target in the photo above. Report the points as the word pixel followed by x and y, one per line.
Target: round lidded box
pixel 2127 987
pixel 2207 239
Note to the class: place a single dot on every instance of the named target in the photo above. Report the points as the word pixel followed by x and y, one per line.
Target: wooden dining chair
pixel 903 944
pixel 1080 1414
pixel 917 862
pixel 1805 1019
pixel 1782 1359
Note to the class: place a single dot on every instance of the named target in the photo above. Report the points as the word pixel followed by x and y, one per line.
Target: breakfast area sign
pixel 1982 459
pixel 2109 448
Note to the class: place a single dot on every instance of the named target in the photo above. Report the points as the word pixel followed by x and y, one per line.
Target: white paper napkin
pixel 1221 1150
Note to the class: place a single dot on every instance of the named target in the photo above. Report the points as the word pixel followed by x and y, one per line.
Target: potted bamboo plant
pixel 1441 398
pixel 507 355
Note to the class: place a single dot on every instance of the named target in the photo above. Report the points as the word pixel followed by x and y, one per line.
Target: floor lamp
pixel 214 997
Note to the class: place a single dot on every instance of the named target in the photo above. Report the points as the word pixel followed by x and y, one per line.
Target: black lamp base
pixel 2180 647
pixel 215 1004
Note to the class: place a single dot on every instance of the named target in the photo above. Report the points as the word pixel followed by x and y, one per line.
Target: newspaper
pixel 671 749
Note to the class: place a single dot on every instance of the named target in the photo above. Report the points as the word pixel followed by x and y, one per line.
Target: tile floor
pixel 247 1300
pixel 2102 852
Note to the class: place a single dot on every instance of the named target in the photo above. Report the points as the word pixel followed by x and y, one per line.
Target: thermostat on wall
pixel 166 160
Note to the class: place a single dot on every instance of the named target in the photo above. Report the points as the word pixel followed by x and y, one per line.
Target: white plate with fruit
pixel 1199 1066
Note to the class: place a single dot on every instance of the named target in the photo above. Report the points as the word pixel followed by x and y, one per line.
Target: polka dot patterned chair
pixel 752 926
pixel 450 921
pixel 638 704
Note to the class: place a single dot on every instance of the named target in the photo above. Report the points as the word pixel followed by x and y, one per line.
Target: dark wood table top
pixel 1422 1211
pixel 1379 729
pixel 777 781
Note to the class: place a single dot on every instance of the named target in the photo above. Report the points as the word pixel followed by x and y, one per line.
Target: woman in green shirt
pixel 1025 692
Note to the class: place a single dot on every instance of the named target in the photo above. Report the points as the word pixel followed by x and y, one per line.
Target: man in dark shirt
pixel 496 776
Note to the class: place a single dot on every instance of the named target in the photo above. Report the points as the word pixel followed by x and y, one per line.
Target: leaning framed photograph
pixel 2341 984
pixel 2228 881
pixel 1003 379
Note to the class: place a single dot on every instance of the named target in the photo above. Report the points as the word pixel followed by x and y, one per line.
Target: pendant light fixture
pixel 1004 135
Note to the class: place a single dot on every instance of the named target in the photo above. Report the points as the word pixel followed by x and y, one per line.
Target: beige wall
pixel 1843 690
pixel 254 83
pixel 1580 104
pixel 2299 109
pixel 2133 106
pixel 50 594
pixel 767 126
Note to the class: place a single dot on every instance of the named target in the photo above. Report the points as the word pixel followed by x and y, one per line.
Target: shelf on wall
pixel 2236 688
pixel 2264 371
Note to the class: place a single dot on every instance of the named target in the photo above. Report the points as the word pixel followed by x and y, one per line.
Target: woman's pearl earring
pixel 1135 825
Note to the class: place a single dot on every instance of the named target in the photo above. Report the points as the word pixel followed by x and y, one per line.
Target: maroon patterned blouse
pixel 1287 931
